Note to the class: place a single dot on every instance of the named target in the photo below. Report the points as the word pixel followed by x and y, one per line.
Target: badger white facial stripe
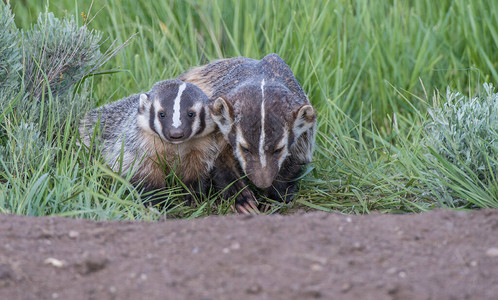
pixel 283 143
pixel 197 121
pixel 176 106
pixel 262 154
pixel 240 140
pixel 157 124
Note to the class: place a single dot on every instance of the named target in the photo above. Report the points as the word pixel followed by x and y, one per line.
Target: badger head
pixel 174 110
pixel 262 126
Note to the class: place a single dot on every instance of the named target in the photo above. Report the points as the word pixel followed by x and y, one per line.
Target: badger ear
pixel 305 118
pixel 221 112
pixel 144 102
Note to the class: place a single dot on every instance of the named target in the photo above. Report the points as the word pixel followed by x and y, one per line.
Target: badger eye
pixel 277 151
pixel 244 149
pixel 161 114
pixel 191 114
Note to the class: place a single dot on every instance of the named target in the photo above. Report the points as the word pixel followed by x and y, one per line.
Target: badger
pixel 166 129
pixel 267 121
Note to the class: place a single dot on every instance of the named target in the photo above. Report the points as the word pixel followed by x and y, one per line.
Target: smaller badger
pixel 166 129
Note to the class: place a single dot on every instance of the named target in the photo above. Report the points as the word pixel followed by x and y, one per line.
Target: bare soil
pixel 435 255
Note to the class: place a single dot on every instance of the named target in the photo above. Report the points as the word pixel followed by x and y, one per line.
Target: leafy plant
pixel 462 140
pixel 42 100
pixel 58 53
pixel 10 56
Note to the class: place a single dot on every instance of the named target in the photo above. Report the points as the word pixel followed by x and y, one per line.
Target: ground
pixel 434 255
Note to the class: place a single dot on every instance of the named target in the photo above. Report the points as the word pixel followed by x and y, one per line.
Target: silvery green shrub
pixel 10 56
pixel 42 72
pixel 51 60
pixel 462 139
pixel 60 52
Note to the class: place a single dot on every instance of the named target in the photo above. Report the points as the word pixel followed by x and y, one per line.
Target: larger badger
pixel 167 128
pixel 266 119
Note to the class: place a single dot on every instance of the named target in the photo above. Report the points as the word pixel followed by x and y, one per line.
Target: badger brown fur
pixel 167 128
pixel 266 119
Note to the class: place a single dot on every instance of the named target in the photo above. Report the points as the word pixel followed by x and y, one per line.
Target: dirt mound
pixel 435 255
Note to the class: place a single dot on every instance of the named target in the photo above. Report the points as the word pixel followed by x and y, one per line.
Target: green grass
pixel 369 67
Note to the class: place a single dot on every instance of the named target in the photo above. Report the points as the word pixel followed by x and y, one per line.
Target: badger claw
pixel 248 208
pixel 265 208
pixel 246 202
pixel 239 209
pixel 253 206
pixel 242 210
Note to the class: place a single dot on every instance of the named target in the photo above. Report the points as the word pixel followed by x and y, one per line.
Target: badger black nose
pixel 176 134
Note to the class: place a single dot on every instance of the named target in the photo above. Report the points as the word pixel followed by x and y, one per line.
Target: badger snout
pixel 260 182
pixel 176 134
pixel 262 177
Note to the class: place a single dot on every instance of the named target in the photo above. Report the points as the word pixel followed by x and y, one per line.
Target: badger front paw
pixel 245 202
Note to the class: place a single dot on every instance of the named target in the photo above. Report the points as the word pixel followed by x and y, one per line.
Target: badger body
pixel 265 117
pixel 166 129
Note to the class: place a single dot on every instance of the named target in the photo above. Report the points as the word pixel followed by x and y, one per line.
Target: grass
pixel 370 68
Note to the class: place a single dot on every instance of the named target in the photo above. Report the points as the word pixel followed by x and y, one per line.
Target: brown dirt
pixel 435 255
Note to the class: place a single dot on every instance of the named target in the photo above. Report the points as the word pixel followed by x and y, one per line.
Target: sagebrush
pixel 462 144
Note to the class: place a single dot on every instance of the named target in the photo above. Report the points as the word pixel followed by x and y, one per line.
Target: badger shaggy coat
pixel 266 119
pixel 167 128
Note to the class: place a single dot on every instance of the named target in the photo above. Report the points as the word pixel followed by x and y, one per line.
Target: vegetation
pixel 461 139
pixel 387 139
